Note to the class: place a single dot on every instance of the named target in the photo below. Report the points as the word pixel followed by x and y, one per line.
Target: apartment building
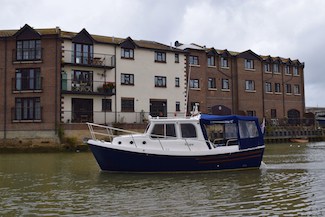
pixel 30 81
pixel 50 76
pixel 225 82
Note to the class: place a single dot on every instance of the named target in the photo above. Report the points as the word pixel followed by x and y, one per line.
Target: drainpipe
pixel 263 89
pixel 5 95
pixel 56 84
pixel 115 73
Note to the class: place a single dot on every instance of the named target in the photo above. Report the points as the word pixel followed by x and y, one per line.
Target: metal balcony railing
pixel 27 84
pixel 88 59
pixel 27 54
pixel 73 86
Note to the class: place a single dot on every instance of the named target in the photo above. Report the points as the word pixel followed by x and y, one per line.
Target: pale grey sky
pixel 287 28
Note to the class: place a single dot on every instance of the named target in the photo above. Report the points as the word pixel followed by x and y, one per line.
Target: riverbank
pixel 73 137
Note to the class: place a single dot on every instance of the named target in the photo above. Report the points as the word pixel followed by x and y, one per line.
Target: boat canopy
pixel 212 119
pixel 249 132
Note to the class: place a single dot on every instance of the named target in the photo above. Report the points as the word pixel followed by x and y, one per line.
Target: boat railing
pixel 106 131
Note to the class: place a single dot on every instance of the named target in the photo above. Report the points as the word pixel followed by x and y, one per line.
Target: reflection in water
pixel 290 183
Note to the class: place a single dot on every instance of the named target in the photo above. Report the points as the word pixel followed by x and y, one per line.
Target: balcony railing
pixel 26 114
pixel 27 84
pixel 27 54
pixel 98 60
pixel 89 87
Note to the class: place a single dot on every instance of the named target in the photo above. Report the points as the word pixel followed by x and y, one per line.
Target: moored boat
pixel 200 143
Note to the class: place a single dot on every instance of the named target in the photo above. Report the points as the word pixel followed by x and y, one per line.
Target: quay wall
pixel 72 137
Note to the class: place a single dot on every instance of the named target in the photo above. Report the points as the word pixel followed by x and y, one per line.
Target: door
pixel 82 110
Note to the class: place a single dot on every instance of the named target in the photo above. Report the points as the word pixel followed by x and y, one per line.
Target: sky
pixel 292 29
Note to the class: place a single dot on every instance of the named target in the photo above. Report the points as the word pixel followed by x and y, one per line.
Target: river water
pixel 290 183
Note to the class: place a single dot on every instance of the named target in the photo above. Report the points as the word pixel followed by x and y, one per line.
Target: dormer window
pixel 83 53
pixel 211 61
pixel 249 64
pixel 28 50
pixel 224 62
pixel 127 53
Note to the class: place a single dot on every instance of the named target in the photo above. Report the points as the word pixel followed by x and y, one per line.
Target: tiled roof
pixel 140 43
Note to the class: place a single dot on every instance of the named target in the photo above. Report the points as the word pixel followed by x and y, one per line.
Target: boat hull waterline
pixel 110 159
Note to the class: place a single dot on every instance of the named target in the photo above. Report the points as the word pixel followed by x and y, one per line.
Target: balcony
pixel 93 60
pixel 90 87
pixel 27 84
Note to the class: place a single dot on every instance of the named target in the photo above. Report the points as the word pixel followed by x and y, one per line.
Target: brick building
pixel 50 77
pixel 224 82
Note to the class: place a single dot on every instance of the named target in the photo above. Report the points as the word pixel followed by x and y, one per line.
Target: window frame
pixel 225 84
pixel 28 79
pixel 268 87
pixel 224 63
pixel 194 83
pixel 127 53
pixel 160 57
pixel 212 83
pixel 127 79
pixel 106 105
pixel 127 104
pixel 27 50
pixel 211 61
pixel 28 109
pixel 249 85
pixel 194 60
pixel 249 64
pixel 161 81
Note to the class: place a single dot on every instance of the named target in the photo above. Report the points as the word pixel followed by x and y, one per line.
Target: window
pixel 28 79
pixel 127 105
pixel 249 64
pixel 273 113
pixel 287 69
pixel 106 105
pixel 188 131
pixel 127 79
pixel 194 83
pixel 28 108
pixel 225 84
pixel 83 53
pixel 28 50
pixel 288 88
pixel 177 82
pixel 296 89
pixel 212 83
pixel 211 61
pixel 176 58
pixel 277 87
pixel 251 113
pixel 178 106
pixel 276 68
pixel 160 56
pixel 267 67
pixel 163 131
pixel 82 80
pixel 295 71
pixel 127 53
pixel 249 85
pixel 247 129
pixel 224 62
pixel 194 60
pixel 268 87
pixel 160 81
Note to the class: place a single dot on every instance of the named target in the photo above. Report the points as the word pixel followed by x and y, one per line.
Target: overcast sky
pixel 287 28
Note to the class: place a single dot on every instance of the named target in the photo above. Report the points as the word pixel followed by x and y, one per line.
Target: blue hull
pixel 125 161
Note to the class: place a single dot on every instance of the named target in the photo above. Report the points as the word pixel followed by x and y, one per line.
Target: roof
pixel 211 119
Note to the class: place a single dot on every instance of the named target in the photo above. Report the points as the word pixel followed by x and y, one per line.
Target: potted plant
pixel 108 87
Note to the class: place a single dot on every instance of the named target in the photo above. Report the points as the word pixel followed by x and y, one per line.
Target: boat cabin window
pixel 247 129
pixel 188 131
pixel 163 131
pixel 222 134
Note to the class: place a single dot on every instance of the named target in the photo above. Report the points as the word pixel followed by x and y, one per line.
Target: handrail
pixel 109 133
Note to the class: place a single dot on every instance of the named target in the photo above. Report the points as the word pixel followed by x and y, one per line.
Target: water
pixel 289 183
